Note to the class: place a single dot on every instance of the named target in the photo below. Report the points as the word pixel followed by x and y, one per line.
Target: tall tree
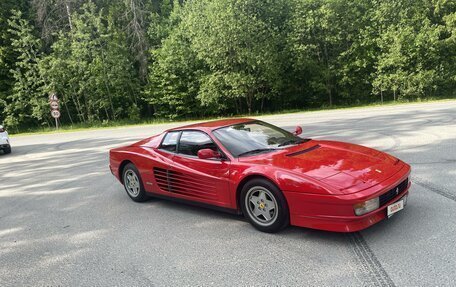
pixel 99 82
pixel 26 103
pixel 242 43
pixel 407 63
pixel 8 56
pixel 136 17
pixel 317 40
pixel 176 71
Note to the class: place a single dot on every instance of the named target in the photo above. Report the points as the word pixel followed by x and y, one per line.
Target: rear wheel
pixel 264 205
pixel 133 184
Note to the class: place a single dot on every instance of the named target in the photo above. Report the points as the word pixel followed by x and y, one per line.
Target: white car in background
pixel 4 140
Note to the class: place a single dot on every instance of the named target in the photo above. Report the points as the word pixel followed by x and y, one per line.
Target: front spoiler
pixel 345 223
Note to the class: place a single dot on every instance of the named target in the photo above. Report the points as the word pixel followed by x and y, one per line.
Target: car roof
pixel 212 125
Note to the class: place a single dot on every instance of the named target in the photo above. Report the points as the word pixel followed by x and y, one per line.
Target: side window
pixel 192 141
pixel 170 141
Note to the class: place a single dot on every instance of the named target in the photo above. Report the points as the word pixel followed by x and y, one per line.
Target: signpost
pixel 54 105
pixel 55 114
pixel 55 108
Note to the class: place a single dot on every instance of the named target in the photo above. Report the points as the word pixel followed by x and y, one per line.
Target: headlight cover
pixel 367 206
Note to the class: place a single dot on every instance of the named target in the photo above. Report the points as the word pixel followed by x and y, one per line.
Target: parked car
pixel 5 145
pixel 270 175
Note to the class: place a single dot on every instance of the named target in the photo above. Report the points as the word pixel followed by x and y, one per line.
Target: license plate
pixel 395 207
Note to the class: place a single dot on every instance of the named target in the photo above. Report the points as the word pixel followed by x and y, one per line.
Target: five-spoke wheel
pixel 264 205
pixel 133 184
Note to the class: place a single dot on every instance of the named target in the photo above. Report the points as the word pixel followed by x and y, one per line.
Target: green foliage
pixel 241 44
pixel 25 104
pixel 123 60
pixel 7 55
pixel 409 60
pixel 99 82
pixel 174 77
pixel 315 38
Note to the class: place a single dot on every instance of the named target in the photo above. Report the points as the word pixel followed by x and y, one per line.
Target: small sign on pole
pixel 55 114
pixel 55 108
pixel 53 97
pixel 54 105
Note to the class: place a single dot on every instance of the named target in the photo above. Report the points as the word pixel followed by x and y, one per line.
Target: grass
pixel 127 122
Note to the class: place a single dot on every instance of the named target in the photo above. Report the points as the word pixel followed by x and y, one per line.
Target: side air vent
pixel 186 184
pixel 161 177
pixel 304 150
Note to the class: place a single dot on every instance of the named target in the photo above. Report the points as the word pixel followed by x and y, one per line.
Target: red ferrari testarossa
pixel 270 175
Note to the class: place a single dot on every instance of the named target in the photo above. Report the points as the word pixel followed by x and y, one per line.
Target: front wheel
pixel 133 183
pixel 7 150
pixel 264 205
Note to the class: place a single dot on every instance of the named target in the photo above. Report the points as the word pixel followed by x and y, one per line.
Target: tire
pixel 7 150
pixel 264 205
pixel 132 182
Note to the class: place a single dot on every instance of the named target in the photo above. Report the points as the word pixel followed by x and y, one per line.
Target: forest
pixel 110 60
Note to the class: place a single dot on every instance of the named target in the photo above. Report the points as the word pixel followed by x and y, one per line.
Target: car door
pixel 163 162
pixel 204 180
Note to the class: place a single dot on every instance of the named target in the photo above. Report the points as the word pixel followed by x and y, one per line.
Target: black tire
pixel 7 150
pixel 280 218
pixel 136 193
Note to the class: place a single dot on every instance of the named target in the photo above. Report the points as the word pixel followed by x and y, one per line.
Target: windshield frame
pixel 271 149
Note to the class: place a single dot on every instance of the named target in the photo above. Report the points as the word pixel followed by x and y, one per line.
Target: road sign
pixel 54 105
pixel 55 114
pixel 53 97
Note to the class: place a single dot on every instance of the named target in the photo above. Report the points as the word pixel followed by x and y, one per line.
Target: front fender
pixel 286 181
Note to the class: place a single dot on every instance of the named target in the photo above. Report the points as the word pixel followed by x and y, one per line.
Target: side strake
pixel 172 181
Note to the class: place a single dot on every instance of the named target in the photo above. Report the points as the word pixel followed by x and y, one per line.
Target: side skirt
pixel 196 203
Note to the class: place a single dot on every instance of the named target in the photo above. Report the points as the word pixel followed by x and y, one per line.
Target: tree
pixel 445 14
pixel 241 43
pixel 408 62
pixel 26 103
pixel 136 23
pixel 175 72
pixel 99 82
pixel 8 56
pixel 317 42
pixel 123 59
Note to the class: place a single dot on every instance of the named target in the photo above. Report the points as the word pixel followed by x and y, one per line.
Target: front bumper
pixel 4 141
pixel 334 213
pixel 3 146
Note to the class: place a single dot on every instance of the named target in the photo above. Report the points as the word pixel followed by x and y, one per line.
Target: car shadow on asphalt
pixel 196 212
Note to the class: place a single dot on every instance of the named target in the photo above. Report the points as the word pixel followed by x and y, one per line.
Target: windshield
pixel 254 137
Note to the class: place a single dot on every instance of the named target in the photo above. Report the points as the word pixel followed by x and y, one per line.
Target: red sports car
pixel 270 175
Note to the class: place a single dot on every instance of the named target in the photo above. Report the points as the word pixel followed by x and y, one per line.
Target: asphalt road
pixel 66 221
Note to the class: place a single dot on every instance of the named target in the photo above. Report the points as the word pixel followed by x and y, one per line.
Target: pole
pixel 56 124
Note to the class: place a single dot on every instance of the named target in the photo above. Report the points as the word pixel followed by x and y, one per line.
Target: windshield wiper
pixel 292 141
pixel 259 150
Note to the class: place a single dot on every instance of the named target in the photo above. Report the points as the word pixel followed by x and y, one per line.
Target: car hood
pixel 346 167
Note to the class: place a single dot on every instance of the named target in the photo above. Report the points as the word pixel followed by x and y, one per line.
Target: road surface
pixel 66 221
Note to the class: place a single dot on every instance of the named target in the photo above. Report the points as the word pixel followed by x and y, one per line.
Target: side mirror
pixel 207 153
pixel 298 131
pixel 2 129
